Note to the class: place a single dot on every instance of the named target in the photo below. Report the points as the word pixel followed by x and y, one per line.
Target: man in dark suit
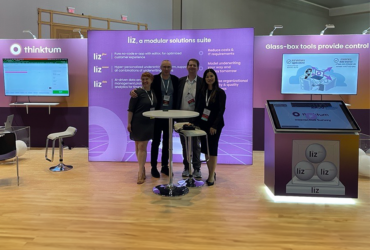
pixel 165 88
pixel 188 91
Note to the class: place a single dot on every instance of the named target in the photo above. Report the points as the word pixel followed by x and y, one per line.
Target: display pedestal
pixel 311 164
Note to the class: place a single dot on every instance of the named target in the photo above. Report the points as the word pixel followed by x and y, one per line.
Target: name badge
pixel 190 99
pixel 166 100
pixel 205 115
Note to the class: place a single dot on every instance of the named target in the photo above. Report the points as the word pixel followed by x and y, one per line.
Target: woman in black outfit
pixel 141 128
pixel 211 107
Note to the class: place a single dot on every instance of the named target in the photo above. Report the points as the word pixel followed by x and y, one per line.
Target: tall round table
pixel 170 189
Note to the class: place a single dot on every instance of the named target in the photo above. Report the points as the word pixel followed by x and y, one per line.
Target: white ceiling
pixel 341 7
pixel 338 3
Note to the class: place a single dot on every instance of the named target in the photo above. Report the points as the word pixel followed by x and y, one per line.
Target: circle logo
pixel 15 49
pixel 326 171
pixel 315 153
pixel 304 170
pixel 296 114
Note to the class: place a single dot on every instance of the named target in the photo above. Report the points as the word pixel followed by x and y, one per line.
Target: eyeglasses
pixel 167 67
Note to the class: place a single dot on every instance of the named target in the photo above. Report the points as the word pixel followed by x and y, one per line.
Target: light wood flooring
pixel 99 206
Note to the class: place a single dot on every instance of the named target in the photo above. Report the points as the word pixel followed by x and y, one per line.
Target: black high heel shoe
pixel 211 183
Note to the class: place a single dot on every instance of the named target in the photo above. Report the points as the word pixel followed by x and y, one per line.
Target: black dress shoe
pixel 165 170
pixel 155 172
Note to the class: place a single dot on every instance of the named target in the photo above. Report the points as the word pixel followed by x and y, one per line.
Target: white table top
pixel 171 114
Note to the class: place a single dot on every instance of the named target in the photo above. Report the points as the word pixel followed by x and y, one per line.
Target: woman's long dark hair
pixel 215 86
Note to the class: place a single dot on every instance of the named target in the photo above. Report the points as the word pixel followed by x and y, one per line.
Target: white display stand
pixel 35 104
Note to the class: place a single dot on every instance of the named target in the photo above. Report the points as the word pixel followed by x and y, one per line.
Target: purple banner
pixel 117 60
pixel 75 50
pixel 269 51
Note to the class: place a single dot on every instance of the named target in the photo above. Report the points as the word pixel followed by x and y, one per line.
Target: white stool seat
pixel 179 125
pixel 71 131
pixel 193 133
pixel 188 133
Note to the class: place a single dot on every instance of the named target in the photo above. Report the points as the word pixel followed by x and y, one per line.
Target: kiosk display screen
pixel 311 116
pixel 319 74
pixel 36 77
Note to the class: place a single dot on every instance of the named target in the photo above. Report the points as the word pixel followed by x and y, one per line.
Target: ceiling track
pixel 314 4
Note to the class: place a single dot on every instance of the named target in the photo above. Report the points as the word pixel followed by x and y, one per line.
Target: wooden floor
pixel 99 206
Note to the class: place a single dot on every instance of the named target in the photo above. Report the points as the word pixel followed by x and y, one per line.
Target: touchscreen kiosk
pixel 311 116
pixel 311 148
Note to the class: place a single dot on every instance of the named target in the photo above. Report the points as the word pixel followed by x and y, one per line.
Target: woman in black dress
pixel 211 107
pixel 140 127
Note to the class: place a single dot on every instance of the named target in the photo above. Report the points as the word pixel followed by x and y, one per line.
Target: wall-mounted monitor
pixel 36 77
pixel 319 74
pixel 311 116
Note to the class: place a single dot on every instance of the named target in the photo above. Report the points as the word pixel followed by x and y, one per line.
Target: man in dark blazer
pixel 165 88
pixel 188 91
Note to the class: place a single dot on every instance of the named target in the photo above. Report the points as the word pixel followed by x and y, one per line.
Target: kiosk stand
pixel 311 149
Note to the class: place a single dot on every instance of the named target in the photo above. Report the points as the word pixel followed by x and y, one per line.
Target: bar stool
pixel 188 135
pixel 71 131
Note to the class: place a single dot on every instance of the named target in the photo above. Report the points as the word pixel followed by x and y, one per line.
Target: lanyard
pixel 207 99
pixel 168 84
pixel 151 99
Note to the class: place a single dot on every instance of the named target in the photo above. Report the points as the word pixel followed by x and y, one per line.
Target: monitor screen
pixel 319 74
pixel 36 77
pixel 311 116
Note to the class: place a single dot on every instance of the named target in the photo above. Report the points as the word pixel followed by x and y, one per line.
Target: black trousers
pixel 160 126
pixel 196 153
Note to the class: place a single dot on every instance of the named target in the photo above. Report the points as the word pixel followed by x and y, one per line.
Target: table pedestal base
pixel 170 191
pixel 191 182
pixel 61 167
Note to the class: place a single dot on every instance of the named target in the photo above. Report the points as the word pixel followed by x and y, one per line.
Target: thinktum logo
pixel 16 49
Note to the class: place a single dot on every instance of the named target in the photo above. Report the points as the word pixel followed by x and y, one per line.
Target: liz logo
pixel 97 84
pixel 324 172
pixel 315 190
pixel 300 171
pixel 131 39
pixel 97 69
pixel 97 56
pixel 312 154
